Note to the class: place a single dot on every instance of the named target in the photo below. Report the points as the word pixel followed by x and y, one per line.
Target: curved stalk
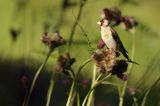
pixel 82 3
pixel 81 67
pixel 27 97
pixel 93 88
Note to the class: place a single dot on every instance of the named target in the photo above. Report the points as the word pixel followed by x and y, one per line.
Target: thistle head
pixel 128 23
pixel 53 40
pixel 113 15
pixel 64 64
pixel 105 60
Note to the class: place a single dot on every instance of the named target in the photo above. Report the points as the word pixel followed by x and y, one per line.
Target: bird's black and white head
pixel 103 23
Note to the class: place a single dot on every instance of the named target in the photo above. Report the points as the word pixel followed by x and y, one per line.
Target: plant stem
pixel 81 67
pixel 90 99
pixel 78 100
pixel 72 91
pixel 50 90
pixel 122 92
pixel 82 2
pixel 69 101
pixel 27 98
pixel 93 87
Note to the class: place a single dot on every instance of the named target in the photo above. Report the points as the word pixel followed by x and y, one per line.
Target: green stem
pixel 50 90
pixel 91 97
pixel 27 98
pixel 71 96
pixel 93 87
pixel 78 100
pixel 122 92
pixel 69 101
pixel 81 67
pixel 73 74
pixel 82 2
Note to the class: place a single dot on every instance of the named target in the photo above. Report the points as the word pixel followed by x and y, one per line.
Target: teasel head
pixel 64 64
pixel 53 40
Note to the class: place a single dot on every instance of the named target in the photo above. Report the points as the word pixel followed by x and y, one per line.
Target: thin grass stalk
pixel 50 90
pixel 122 92
pixel 27 98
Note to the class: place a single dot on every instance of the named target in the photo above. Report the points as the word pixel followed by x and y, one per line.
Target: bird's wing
pixel 118 41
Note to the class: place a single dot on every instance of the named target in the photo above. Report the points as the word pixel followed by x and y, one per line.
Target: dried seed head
pixel 128 23
pixel 64 64
pixel 53 40
pixel 105 60
pixel 119 68
pixel 113 15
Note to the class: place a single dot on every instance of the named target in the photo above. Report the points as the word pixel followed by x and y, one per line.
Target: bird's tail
pixel 129 60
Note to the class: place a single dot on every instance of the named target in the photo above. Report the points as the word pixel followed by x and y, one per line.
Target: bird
pixel 111 39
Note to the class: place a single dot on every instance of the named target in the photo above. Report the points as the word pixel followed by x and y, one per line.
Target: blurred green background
pixel 33 17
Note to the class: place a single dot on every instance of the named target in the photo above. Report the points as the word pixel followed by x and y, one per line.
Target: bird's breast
pixel 108 39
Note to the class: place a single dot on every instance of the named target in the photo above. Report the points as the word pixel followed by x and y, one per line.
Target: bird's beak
pixel 99 23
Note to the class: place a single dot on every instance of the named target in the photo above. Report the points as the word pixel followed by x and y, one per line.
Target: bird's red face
pixel 103 22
